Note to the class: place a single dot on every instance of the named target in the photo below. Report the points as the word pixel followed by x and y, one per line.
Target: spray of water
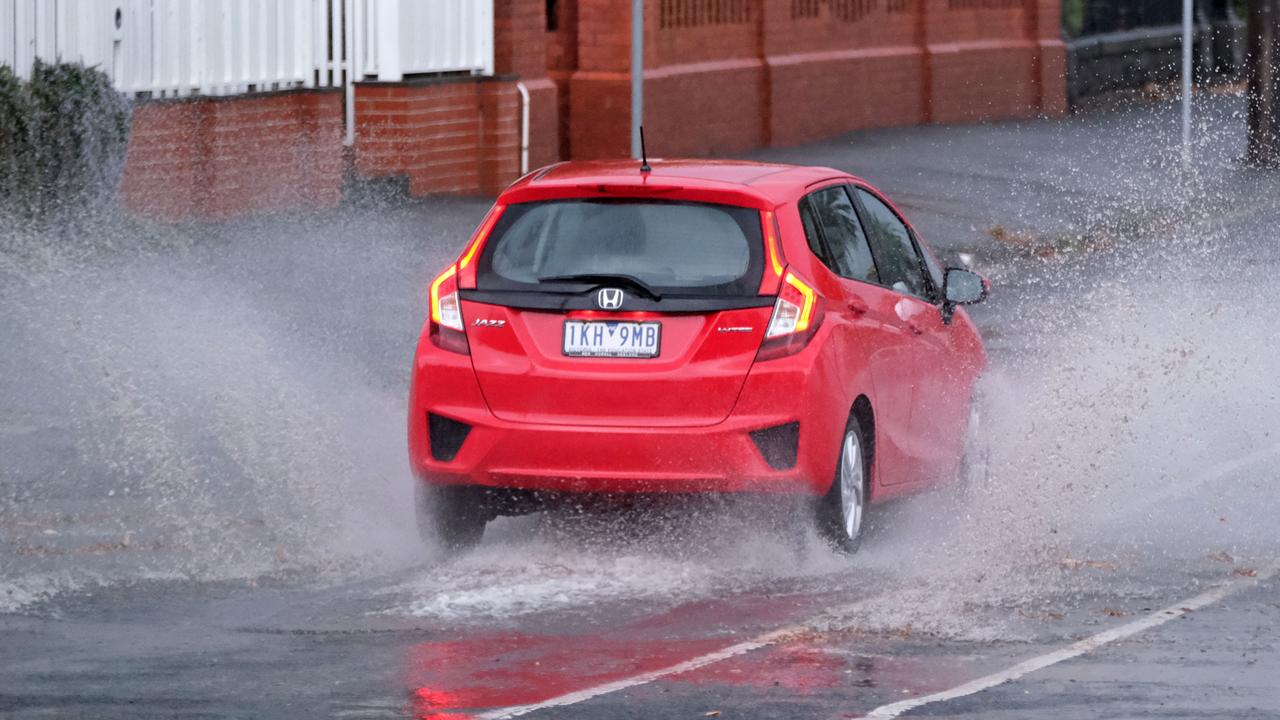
pixel 1131 413
pixel 227 404
pixel 182 405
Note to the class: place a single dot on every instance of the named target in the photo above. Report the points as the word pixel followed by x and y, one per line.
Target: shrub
pixel 63 140
pixel 16 158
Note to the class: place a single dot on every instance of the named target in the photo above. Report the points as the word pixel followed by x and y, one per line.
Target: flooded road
pixel 205 508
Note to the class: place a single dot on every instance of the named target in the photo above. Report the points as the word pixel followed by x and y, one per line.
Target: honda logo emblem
pixel 609 298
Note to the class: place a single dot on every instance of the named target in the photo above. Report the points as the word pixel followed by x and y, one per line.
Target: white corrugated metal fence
pixel 170 48
pixel 408 37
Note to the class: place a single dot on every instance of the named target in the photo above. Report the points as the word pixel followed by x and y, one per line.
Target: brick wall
pixel 840 66
pixel 721 77
pixel 982 60
pixel 462 135
pixel 726 76
pixel 217 158
pixel 455 137
pixel 222 157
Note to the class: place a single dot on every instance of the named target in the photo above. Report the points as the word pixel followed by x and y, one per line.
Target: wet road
pixel 204 504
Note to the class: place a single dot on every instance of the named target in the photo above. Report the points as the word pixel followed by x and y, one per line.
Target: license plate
pixel 612 338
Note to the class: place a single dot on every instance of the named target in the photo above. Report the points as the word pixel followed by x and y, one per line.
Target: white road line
pixel 776 636
pixel 1076 649
pixel 572 698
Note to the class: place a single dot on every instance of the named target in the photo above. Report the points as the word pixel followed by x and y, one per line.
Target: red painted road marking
pixel 519 669
pixel 688 665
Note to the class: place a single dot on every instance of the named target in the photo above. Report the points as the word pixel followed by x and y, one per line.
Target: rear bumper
pixel 586 458
pixel 569 458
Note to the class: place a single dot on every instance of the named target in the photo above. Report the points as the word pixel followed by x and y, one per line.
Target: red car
pixel 700 326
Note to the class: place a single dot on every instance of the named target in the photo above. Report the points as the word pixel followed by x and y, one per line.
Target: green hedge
pixel 16 160
pixel 63 138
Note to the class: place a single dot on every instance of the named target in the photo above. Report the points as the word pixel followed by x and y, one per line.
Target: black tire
pixel 450 517
pixel 833 509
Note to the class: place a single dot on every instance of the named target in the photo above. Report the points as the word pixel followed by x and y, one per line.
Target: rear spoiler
pixel 729 194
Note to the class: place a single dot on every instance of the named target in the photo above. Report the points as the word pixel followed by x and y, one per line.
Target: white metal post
pixel 348 71
pixel 524 126
pixel 1187 6
pixel 637 74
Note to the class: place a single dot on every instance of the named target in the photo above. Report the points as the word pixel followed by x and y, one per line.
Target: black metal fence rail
pixel 1095 17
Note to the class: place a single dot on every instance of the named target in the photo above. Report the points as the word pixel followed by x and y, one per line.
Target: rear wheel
pixel 842 512
pixel 451 517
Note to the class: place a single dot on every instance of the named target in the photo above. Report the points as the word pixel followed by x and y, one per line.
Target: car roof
pixel 770 182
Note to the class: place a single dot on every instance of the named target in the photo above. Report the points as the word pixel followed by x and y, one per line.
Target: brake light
pixel 446 329
pixel 775 263
pixel 797 314
pixel 771 243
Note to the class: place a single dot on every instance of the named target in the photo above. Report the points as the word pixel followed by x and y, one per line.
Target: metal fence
pixel 415 37
pixel 1094 17
pixel 1091 17
pixel 169 48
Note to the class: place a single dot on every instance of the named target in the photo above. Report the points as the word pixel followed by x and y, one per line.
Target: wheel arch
pixel 864 414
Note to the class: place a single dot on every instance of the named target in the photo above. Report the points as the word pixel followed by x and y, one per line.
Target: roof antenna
pixel 644 156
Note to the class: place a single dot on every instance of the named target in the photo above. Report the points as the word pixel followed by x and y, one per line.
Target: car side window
pixel 936 273
pixel 850 253
pixel 812 234
pixel 901 267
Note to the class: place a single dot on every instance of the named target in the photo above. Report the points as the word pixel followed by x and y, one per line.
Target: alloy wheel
pixel 852 485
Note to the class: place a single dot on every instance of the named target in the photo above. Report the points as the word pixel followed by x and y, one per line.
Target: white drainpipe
pixel 349 73
pixel 524 127
pixel 349 137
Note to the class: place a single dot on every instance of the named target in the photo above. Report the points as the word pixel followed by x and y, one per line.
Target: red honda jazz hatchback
pixel 698 326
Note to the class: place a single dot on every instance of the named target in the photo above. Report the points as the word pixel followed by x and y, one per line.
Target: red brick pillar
pixel 982 58
pixel 562 61
pixel 1051 59
pixel 600 89
pixel 519 55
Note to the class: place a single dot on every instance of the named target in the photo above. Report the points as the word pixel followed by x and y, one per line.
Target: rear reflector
pixel 446 436
pixel 445 309
pixel 778 444
pixel 446 329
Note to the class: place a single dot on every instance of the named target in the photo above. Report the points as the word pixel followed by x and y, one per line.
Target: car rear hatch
pixel 617 311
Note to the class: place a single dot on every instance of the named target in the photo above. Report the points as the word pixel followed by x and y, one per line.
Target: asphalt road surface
pixel 205 504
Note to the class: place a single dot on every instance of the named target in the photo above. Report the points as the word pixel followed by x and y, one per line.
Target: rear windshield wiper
pixel 606 279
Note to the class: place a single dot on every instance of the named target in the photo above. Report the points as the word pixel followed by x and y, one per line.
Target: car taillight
pixel 776 265
pixel 797 313
pixel 446 313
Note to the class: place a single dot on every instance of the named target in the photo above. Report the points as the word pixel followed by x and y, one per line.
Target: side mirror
pixel 962 287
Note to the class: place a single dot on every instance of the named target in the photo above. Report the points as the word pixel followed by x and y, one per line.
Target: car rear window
pixel 675 247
